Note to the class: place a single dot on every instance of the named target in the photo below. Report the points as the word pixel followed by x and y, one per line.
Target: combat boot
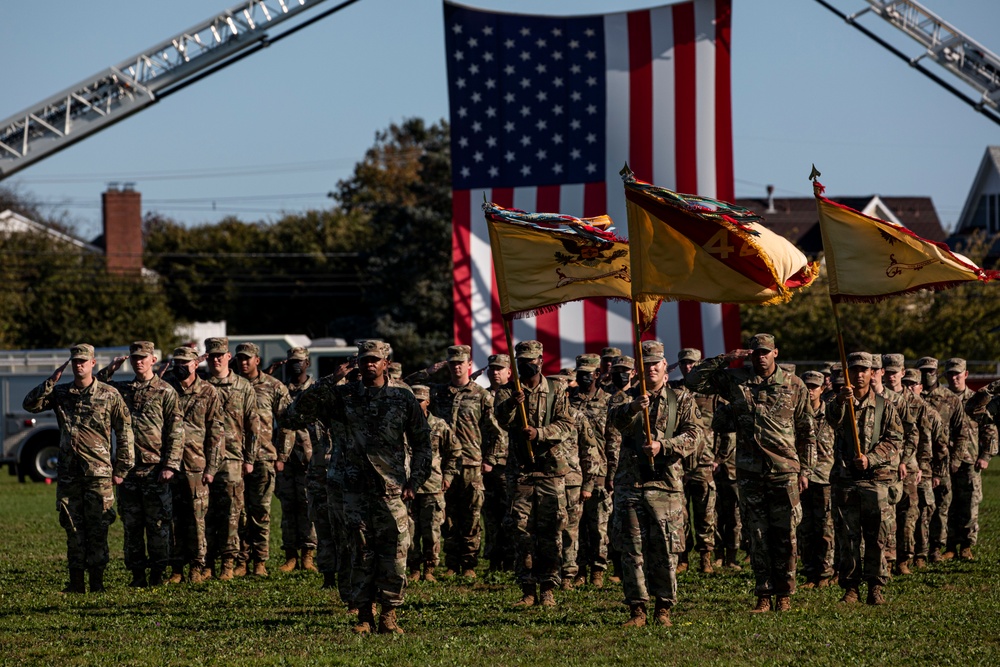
pixel 241 569
pixel 429 573
pixel 291 561
pixel 597 578
pixel 308 560
pixel 682 567
pixel 196 573
pixel 920 562
pixel 469 573
pixel 808 585
pixel 706 563
pixel 176 574
pixel 366 619
pixel 138 578
pixel 414 574
pixel 259 569
pixel 661 615
pixel 824 583
pixel 156 576
pixel 96 579
pixel 903 567
pixel 731 560
pixel 548 597
pixel 76 583
pixel 567 583
pixel 935 556
pixel 948 555
pixel 783 603
pixel 967 554
pixel 387 624
pixel 875 596
pixel 528 596
pixel 450 572
pixel 329 580
pixel 763 604
pixel 580 580
pixel 637 616
pixel 851 595
pixel 227 569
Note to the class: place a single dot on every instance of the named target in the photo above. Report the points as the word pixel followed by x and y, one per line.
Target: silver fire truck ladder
pixel 144 79
pixel 946 45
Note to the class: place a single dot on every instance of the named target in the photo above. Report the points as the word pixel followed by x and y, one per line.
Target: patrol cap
pixel 184 354
pixel 954 365
pixel 813 378
pixel 499 360
pixel 459 353
pixel 81 351
pixel 216 345
pixel 876 360
pixel 837 374
pixel 893 362
pixel 762 341
pixel 298 354
pixel 528 349
pixel 612 352
pixel 912 376
pixel 788 368
pixel 689 354
pixel 395 370
pixel 827 368
pixel 652 351
pixel 373 348
pixel 422 392
pixel 862 359
pixel 927 364
pixel 141 348
pixel 588 362
pixel 248 350
pixel 623 361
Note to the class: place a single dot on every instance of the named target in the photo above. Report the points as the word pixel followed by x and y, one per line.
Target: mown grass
pixel 948 614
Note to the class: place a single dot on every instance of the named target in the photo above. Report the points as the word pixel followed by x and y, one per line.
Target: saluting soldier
pixel 816 541
pixel 497 548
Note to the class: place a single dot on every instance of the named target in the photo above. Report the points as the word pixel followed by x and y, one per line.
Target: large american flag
pixel 545 111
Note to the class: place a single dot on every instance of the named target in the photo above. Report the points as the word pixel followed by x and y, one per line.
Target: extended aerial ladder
pixel 956 52
pixel 144 79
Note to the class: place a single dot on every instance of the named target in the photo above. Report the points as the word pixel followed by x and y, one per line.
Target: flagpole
pixel 847 379
pixel 517 384
pixel 642 373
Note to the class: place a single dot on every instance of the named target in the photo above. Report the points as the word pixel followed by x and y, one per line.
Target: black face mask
pixel 620 378
pixel 182 372
pixel 585 380
pixel 527 370
pixel 295 368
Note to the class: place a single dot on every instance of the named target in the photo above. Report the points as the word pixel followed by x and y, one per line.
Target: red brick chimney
pixel 122 229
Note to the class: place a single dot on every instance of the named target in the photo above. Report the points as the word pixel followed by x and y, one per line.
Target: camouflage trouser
pixel 536 521
pixel 496 547
pixel 146 506
pixel 297 531
pixel 594 530
pixel 571 533
pixel 319 515
pixel 907 513
pixel 771 514
pixel 963 519
pixel 728 527
pixel 939 519
pixel 190 498
pixel 895 496
pixel 648 528
pixel 464 505
pixel 378 537
pixel 255 528
pixel 225 505
pixel 342 547
pixel 426 516
pixel 86 509
pixel 922 534
pixel 700 497
pixel 816 532
pixel 864 522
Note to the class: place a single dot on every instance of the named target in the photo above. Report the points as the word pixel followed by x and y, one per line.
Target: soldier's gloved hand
pixel 652 448
pixel 861 462
pixel 639 403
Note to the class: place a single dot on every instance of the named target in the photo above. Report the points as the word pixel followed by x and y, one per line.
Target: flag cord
pixel 642 374
pixel 847 380
pixel 517 385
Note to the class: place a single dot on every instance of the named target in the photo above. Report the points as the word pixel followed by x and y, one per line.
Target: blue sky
pixel 806 88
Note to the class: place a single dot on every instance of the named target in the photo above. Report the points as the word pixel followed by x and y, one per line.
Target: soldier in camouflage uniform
pixel 497 548
pixel 204 442
pixel 536 470
pixel 275 446
pixel 298 534
pixel 816 538
pixel 225 493
pixel 621 377
pixel 608 356
pixel 943 401
pixel 775 450
pixel 395 371
pixel 145 498
pixel 427 509
pixel 861 481
pixel 382 423
pixel 729 529
pixel 87 411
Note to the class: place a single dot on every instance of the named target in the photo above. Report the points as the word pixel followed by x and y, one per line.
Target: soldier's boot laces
pixel 291 561
pixel 783 603
pixel 548 597
pixel 528 596
pixel 875 594
pixel 227 570
pixel 138 578
pixel 967 554
pixel 259 569
pixel 637 616
pixel 731 562
pixel 76 583
pixel 851 596
pixel 661 615
pixel 597 578
pixel 903 567
pixel 706 563
pixel 156 576
pixel 366 620
pixel 240 570
pixel 920 562
pixel 429 573
pixel 96 579
pixel 308 560
pixel 387 624
pixel 329 580
pixel 763 604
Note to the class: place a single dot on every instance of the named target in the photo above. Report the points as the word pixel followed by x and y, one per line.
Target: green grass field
pixel 948 614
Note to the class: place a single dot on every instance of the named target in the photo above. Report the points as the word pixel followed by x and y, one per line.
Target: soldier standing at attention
pixel 649 525
pixel 204 442
pixel 608 356
pixel 816 532
pixel 775 448
pixel 942 400
pixel 932 458
pixel 381 423
pixel 225 495
pixel 88 411
pixel 496 548
pixel 622 375
pixel 298 534
pixel 145 498
pixel 536 468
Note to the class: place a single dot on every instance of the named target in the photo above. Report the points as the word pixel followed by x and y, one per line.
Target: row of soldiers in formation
pixel 365 462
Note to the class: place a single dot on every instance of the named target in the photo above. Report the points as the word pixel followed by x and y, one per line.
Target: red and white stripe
pixel 669 117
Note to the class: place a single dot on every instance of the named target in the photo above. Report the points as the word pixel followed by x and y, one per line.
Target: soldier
pixel 145 498
pixel 608 356
pixel 861 480
pixel 225 493
pixel 536 468
pixel 426 510
pixel 395 371
pixel 775 448
pixel 291 485
pixel 380 424
pixel 497 548
pixel 649 524
pixel 729 528
pixel 204 442
pixel 622 374
pixel 942 400
pixel 87 411
pixel 275 444
pixel 816 531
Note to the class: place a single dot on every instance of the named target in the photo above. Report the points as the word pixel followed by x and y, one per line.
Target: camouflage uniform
pixel 496 547
pixel 943 401
pixel 728 527
pixel 775 444
pixel 335 477
pixel 932 459
pixel 146 502
pixel 816 535
pixel 204 442
pixel 84 496
pixel 648 522
pixel 291 484
pixel 612 451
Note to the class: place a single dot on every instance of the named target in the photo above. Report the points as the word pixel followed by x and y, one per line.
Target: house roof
pixel 13 222
pixel 989 166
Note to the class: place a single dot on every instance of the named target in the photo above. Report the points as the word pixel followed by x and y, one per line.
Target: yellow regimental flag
pixel 870 260
pixel 688 248
pixel 543 260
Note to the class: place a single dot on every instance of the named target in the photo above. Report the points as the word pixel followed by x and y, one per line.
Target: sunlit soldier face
pixel 459 370
pixel 142 364
pixel 685 367
pixel 499 375
pixel 248 364
pixel 815 391
pixel 218 363
pixel 956 381
pixel 83 368
pixel 764 361
pixel 861 377
pixel 656 372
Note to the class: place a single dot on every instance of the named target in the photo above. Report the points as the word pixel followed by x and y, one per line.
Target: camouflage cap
pixel 248 350
pixel 787 368
pixel 499 360
pixel 955 365
pixel 298 354
pixel 623 361
pixel 912 376
pixel 141 348
pixel 459 353
pixel 876 360
pixel 528 349
pixel 927 364
pixel 82 351
pixel 652 351
pixel 814 378
pixel 612 352
pixel 762 341
pixel 862 359
pixel 827 368
pixel 184 354
pixel 588 362
pixel 373 348
pixel 689 354
pixel 422 392
pixel 216 345
pixel 395 370
pixel 893 362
